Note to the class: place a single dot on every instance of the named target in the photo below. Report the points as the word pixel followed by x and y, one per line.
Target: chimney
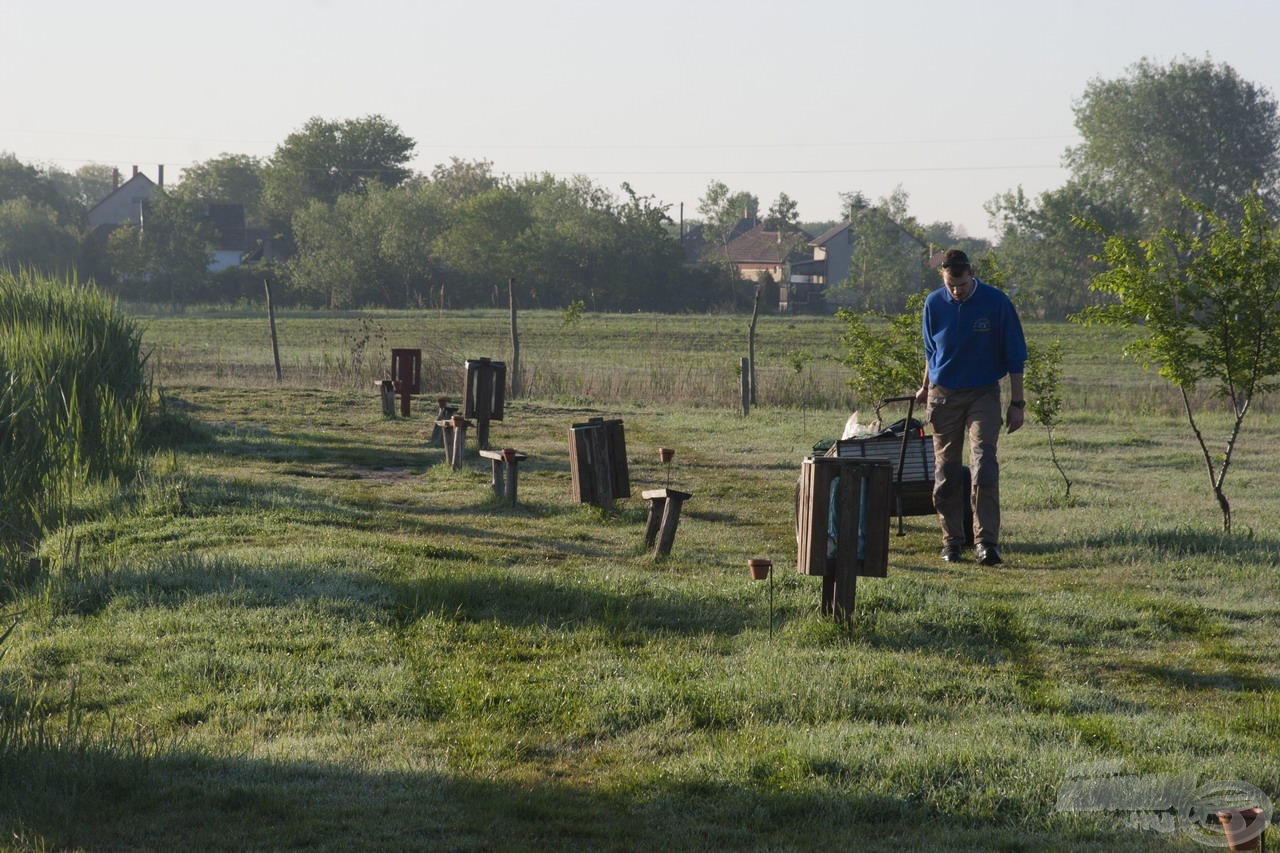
pixel 135 171
pixel 160 175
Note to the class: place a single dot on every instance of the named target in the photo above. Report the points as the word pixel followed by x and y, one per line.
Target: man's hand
pixel 1015 418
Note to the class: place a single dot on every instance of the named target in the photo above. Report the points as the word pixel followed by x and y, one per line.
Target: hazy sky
pixel 954 102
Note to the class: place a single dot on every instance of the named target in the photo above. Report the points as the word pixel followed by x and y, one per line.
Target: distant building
pixel 234 243
pixel 832 255
pixel 753 248
pixel 126 205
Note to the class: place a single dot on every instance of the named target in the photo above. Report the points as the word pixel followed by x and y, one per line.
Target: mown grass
pixel 301 629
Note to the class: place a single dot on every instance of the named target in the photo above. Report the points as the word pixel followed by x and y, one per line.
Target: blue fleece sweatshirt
pixel 972 343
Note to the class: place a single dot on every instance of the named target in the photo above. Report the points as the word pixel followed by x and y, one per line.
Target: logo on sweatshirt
pixel 982 324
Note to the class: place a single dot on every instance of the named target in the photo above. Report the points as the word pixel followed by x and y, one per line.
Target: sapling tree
pixel 1042 384
pixel 887 360
pixel 1206 306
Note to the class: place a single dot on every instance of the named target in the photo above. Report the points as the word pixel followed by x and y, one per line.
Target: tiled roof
pixel 761 246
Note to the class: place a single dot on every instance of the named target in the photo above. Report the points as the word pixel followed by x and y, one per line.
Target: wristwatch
pixel 1018 404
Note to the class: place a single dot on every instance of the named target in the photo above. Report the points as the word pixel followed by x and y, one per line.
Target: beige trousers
pixel 955 415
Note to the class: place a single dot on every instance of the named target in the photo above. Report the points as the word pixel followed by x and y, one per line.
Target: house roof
pixel 129 188
pixel 759 245
pixel 830 234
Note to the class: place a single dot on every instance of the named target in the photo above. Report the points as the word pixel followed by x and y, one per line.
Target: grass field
pixel 299 628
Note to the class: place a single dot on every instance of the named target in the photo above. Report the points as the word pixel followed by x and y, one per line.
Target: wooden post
pixel 498 481
pixel 446 435
pixel 657 503
pixel 459 441
pixel 745 373
pixel 751 343
pixel 387 390
pixel 515 342
pixel 443 413
pixel 271 319
pixel 454 430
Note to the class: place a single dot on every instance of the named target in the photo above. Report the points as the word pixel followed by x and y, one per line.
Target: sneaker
pixel 988 555
pixel 951 554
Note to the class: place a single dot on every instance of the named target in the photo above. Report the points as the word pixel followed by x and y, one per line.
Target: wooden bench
pixel 506 468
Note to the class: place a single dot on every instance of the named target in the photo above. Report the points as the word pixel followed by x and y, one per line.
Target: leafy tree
pixel 483 244
pixel 1047 257
pixel 1189 129
pixel 570 247
pixel 19 180
pixel 86 186
pixel 31 237
pixel 722 209
pixel 784 215
pixel 327 159
pixel 462 179
pixel 889 253
pixel 649 259
pixel 1206 305
pixel 225 179
pixel 370 248
pixel 884 352
pixel 167 258
pixel 1043 387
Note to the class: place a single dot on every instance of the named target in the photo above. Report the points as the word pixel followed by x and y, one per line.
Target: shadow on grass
pixel 519 602
pixel 87 798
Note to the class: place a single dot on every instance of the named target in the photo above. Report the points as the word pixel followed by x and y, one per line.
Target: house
pixel 753 248
pixel 230 235
pixel 126 205
pixel 233 242
pixel 832 255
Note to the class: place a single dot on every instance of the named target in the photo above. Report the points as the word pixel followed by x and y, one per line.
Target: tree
pixel 32 237
pixel 889 253
pixel 722 209
pixel 649 260
pixel 167 258
pixel 571 245
pixel 86 186
pixel 884 352
pixel 483 244
pixel 462 179
pixel 225 179
pixel 1189 129
pixel 1043 386
pixel 783 216
pixel 1206 304
pixel 1048 259
pixel 327 159
pixel 19 180
pixel 371 248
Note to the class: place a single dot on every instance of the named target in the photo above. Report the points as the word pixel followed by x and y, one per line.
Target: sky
pixel 953 103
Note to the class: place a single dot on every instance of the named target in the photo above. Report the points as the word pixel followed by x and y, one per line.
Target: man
pixel 972 339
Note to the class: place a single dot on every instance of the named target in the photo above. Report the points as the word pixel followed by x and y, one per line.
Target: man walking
pixel 972 339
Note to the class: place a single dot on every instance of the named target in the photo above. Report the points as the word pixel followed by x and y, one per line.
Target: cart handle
pixel 897 399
